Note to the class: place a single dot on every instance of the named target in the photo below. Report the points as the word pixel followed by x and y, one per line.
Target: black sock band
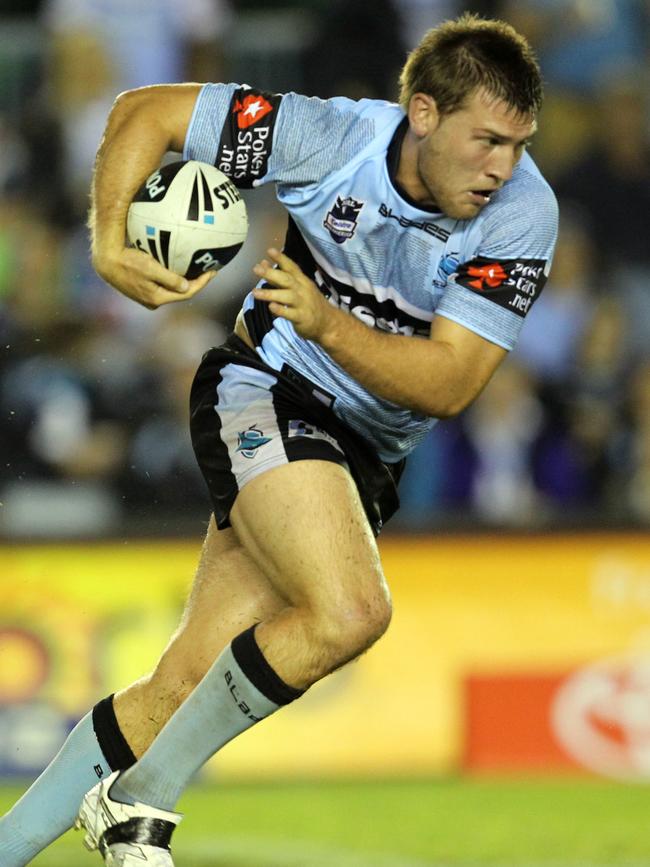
pixel 252 662
pixel 111 741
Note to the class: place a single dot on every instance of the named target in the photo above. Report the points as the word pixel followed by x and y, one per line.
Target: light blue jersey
pixel 370 249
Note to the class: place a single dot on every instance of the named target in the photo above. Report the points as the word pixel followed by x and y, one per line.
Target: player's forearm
pixel 435 377
pixel 416 373
pixel 142 126
pixel 125 156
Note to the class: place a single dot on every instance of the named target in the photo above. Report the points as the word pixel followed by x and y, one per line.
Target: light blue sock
pixel 239 690
pixel 49 807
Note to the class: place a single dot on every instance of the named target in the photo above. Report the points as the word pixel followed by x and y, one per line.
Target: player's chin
pixel 461 209
pixel 465 210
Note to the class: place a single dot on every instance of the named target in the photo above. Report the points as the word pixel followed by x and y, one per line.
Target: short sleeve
pixel 255 137
pixel 493 291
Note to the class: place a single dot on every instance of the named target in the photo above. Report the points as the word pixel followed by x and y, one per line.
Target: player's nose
pixel 502 165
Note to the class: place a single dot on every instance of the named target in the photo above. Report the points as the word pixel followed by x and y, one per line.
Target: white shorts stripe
pixel 249 427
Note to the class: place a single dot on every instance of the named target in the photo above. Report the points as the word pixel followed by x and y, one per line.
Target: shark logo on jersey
pixel 248 441
pixel 447 266
pixel 341 220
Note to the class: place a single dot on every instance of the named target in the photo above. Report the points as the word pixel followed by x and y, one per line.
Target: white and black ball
pixel 189 216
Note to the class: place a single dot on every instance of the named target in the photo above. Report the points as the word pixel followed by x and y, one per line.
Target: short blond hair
pixel 470 53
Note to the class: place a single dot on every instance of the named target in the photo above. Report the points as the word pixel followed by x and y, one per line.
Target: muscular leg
pixel 304 525
pixel 229 593
pixel 319 553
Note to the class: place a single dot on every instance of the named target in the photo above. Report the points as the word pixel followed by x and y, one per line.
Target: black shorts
pixel 247 418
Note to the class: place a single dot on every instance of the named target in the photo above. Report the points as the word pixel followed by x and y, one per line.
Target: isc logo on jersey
pixel 341 219
pixel 245 144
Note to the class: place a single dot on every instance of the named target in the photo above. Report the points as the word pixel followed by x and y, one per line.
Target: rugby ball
pixel 189 216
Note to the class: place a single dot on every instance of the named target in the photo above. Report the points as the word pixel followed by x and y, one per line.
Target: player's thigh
pixel 304 524
pixel 229 594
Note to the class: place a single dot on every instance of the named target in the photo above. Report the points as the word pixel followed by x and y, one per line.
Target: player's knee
pixel 379 621
pixel 352 627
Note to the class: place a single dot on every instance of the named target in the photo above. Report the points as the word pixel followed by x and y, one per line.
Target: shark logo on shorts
pixel 248 441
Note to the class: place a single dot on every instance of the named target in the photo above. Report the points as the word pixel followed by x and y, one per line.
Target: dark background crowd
pixel 93 389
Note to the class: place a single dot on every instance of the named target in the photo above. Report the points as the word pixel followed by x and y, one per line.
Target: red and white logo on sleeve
pixel 251 109
pixel 513 284
pixel 247 136
pixel 489 276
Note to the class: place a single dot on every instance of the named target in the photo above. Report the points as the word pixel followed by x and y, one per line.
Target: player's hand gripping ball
pixel 190 217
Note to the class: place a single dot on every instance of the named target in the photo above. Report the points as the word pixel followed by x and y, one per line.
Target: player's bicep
pixel 166 107
pixel 177 106
pixel 475 360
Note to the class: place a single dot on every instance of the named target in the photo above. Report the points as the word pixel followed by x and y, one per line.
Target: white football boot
pixel 127 835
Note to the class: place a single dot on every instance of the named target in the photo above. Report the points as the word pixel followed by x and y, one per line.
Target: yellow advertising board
pixel 80 621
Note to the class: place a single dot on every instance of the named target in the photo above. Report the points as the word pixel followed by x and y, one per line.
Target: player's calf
pixel 144 708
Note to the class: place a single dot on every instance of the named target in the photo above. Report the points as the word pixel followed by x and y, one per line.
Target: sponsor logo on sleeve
pixel 251 109
pixel 341 219
pixel 247 136
pixel 513 284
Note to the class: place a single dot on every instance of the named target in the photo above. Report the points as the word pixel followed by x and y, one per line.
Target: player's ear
pixel 423 114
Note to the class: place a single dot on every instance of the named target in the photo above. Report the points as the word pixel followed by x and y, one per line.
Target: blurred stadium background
pixel 505 717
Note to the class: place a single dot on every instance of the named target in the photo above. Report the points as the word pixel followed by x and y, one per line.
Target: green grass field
pixel 528 823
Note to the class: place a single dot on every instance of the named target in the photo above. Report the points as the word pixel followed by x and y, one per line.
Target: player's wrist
pixel 333 328
pixel 105 259
pixel 104 255
pixel 107 243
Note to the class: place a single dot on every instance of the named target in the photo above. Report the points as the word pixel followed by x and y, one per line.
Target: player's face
pixel 456 161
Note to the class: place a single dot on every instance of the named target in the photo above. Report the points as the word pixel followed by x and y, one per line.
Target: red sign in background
pixel 508 724
pixel 595 718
